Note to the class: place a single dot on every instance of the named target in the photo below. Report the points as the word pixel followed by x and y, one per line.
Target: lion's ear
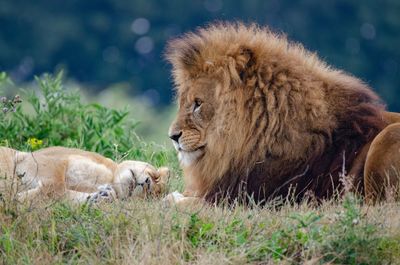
pixel 184 54
pixel 243 62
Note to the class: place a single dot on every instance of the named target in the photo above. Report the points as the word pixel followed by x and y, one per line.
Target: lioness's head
pixel 140 179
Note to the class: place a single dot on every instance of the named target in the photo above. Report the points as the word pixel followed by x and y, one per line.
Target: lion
pixel 260 117
pixel 77 175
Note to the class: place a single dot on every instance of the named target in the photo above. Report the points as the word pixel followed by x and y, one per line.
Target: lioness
pixel 77 175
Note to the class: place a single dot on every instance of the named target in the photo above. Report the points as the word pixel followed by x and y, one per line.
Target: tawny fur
pixel 267 115
pixel 76 175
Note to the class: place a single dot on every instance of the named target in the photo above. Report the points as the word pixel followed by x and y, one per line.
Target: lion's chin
pixel 188 158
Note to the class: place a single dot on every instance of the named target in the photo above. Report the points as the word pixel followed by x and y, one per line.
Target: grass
pixel 340 231
pixel 146 232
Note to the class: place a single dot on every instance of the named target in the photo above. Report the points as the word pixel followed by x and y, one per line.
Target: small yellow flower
pixel 34 143
pixel 4 143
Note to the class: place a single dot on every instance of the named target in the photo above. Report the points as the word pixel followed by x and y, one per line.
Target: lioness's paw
pixel 105 194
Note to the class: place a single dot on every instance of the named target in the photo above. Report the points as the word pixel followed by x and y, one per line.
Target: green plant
pixel 56 116
pixel 352 239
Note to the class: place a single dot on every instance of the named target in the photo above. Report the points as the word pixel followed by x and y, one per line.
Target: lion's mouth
pixel 181 148
pixel 200 148
pixel 186 158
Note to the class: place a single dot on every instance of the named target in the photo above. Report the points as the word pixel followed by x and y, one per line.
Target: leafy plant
pixel 55 116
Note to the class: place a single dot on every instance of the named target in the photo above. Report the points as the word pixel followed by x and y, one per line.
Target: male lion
pixel 262 117
pixel 77 175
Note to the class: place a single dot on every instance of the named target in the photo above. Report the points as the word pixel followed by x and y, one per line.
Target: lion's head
pixel 255 112
pixel 195 122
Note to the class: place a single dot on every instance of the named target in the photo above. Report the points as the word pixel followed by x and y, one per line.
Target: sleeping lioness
pixel 76 175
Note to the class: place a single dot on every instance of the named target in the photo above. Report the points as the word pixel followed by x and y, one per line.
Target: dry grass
pixel 147 232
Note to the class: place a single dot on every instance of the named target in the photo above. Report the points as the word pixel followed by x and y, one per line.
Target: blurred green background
pixel 113 50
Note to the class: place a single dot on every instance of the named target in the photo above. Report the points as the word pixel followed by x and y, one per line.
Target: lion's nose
pixel 176 136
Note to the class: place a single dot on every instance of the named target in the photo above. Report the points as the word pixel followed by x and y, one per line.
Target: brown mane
pixel 285 118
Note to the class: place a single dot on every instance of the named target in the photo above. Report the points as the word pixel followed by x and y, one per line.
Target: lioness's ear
pixel 154 175
pixel 20 156
pixel 164 174
pixel 159 176
pixel 243 60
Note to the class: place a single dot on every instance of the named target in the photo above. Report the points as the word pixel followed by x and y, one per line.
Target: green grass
pixel 341 231
pixel 146 232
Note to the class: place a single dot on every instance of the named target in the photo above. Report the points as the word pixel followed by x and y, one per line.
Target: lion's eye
pixel 197 104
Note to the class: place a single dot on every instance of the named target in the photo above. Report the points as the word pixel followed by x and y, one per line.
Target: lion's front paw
pixel 173 198
pixel 105 193
pixel 182 202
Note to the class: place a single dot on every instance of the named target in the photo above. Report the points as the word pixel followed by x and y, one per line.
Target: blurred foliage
pixel 56 117
pixel 152 124
pixel 104 42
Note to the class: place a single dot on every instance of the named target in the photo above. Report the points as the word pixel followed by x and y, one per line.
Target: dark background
pixel 100 43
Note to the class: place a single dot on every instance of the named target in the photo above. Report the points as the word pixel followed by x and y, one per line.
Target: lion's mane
pixel 285 118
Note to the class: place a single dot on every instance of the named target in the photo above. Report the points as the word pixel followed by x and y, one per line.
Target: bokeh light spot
pixel 367 31
pixel 144 45
pixel 140 26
